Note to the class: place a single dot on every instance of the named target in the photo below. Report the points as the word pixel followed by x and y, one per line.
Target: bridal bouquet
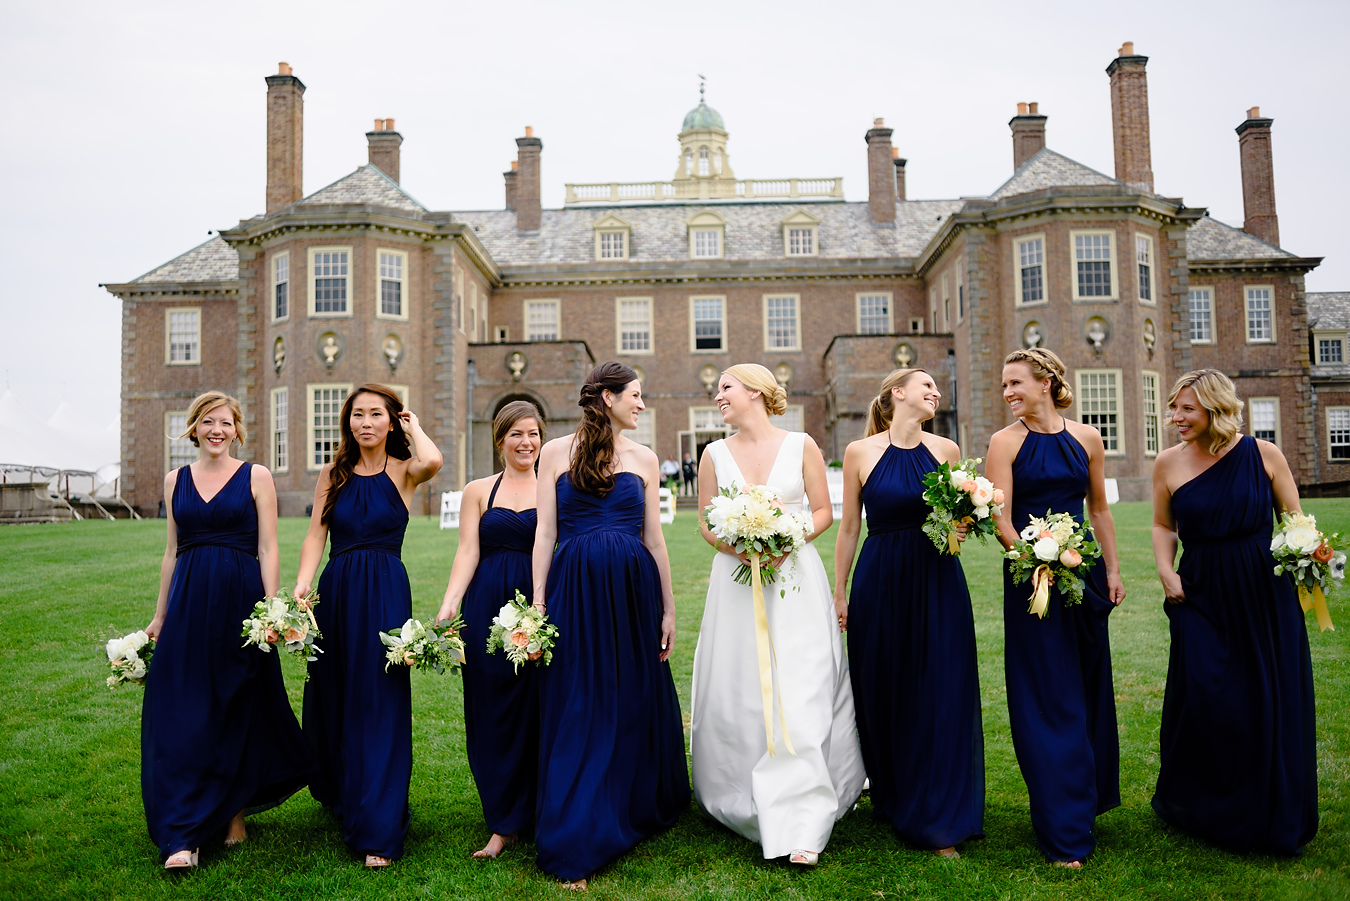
pixel 129 657
pixel 424 648
pixel 752 520
pixel 523 632
pixel 1049 551
pixel 286 621
pixel 1308 555
pixel 958 496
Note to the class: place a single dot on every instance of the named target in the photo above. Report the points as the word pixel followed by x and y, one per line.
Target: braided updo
pixel 1045 364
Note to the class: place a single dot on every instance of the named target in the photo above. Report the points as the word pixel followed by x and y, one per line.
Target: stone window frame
pixel 613 226
pixel 1208 292
pixel 311 388
pixel 1247 313
pixel 1018 240
pixel 501 334
pixel 858 311
pixel 1251 418
pixel 694 320
pixel 474 318
pixel 1336 338
pixel 1113 271
pixel 619 325
pixel 277 258
pixel 796 298
pixel 959 271
pixel 1151 400
pixel 809 226
pixel 933 310
pixel 191 347
pixel 279 444
pixel 1085 416
pixel 557 317
pixel 1152 264
pixel 181 449
pixel 1344 430
pixel 404 300
pixel 459 291
pixel 946 307
pixel 704 223
pixel 314 277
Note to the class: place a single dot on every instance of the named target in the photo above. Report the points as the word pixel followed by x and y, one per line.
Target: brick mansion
pixel 464 311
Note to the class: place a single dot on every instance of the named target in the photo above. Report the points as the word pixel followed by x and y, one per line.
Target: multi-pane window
pixel 1092 256
pixel 780 323
pixel 281 429
pixel 801 242
pixel 1260 315
pixel 1143 251
pixel 1202 315
pixel 613 245
pixel 704 163
pixel 1265 414
pixel 707 242
pixel 1031 270
pixel 635 325
pixel 874 314
pixel 329 277
pixel 645 433
pixel 1338 432
pixel 1099 404
pixel 1330 350
pixel 325 414
pixel 391 283
pixel 184 328
pixel 1149 381
pixel 709 324
pixel 179 451
pixel 792 419
pixel 541 320
pixel 281 285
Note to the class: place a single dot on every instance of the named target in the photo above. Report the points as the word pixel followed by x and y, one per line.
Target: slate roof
pixel 1048 169
pixel 1210 239
pixel 1329 309
pixel 211 261
pixel 366 185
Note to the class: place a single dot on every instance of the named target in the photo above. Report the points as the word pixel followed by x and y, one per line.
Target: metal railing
pixel 705 189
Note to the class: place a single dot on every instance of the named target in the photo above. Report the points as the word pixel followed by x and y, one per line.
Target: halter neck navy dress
pixel 1239 744
pixel 1061 699
pixel 358 718
pixel 612 768
pixel 217 731
pixel 911 648
pixel 501 706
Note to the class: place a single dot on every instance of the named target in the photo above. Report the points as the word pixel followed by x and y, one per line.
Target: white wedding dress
pixel 784 802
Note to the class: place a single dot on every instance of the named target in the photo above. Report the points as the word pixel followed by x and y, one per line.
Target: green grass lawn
pixel 72 825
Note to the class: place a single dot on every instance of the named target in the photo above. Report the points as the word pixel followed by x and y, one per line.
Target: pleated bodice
pixel 893 493
pixel 369 516
pixel 1050 473
pixel 619 511
pixel 1239 477
pixel 230 519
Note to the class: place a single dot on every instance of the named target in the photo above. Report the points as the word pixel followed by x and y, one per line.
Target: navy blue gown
pixel 612 766
pixel 1061 699
pixel 217 731
pixel 911 648
pixel 501 707
pixel 358 718
pixel 1239 754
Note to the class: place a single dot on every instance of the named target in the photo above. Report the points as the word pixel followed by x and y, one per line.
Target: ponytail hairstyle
pixel 883 405
pixel 349 452
pixel 593 446
pixel 758 378
pixel 1045 364
pixel 1217 395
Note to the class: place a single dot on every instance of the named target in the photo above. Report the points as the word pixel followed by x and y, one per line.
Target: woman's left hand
pixel 1115 587
pixel 962 529
pixel 409 420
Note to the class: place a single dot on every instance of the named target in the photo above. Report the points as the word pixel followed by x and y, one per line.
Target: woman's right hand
pixel 841 610
pixel 153 628
pixel 447 612
pixel 301 589
pixel 1172 590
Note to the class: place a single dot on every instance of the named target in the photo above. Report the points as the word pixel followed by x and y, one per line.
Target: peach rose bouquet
pixel 419 647
pixel 959 496
pixel 1309 555
pixel 285 622
pixel 523 632
pixel 1052 550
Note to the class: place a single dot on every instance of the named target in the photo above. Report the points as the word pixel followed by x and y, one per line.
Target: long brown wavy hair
pixel 593 447
pixel 349 452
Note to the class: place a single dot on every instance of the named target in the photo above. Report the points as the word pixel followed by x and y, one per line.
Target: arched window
pixel 703 161
pixel 717 161
pixel 688 162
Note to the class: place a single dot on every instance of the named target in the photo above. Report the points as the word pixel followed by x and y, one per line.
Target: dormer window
pixel 613 236
pixel 800 237
pixel 706 233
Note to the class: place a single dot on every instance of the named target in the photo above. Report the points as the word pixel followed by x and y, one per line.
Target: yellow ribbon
pixel 767 661
pixel 1316 600
pixel 1040 592
pixel 953 543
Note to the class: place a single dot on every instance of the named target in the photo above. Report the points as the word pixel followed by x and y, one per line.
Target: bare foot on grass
pixel 496 845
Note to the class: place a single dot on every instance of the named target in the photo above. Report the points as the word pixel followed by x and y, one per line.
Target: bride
pixel 786 801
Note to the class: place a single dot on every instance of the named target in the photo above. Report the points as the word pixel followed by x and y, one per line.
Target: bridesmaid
pixel 911 632
pixel 358 718
pixel 1239 755
pixel 501 707
pixel 217 732
pixel 612 769
pixel 1061 700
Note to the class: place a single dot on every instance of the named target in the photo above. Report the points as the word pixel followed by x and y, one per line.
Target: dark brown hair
pixel 1045 364
pixel 349 452
pixel 511 414
pixel 593 446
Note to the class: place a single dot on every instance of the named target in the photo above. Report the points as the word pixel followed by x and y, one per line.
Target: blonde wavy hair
pixel 1045 364
pixel 205 403
pixel 1217 395
pixel 758 378
pixel 882 408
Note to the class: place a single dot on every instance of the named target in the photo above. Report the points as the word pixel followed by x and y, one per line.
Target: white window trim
pixel 913 321
pixel 693 348
pixel 650 414
pixel 798 409
pixel 890 311
pixel 168 355
pixel 1318 337
pixel 1079 394
pixel 715 418
pixel 290 285
pixel 801 226
pixel 1246 315
pixel 1018 240
pixel 721 232
pixel 764 316
pixel 557 316
pixel 169 437
pixel 402 392
pixel 933 310
pixel 285 427
pixel 1152 269
pixel 1114 296
pixel 959 270
pixel 379 286
pixel 627 235
pixel 459 292
pixel 312 277
pixel 1330 410
pixel 345 388
pixel 618 327
pixel 473 313
pixel 1209 290
pixel 1156 415
pixel 1251 419
pixel 946 307
pixel 501 334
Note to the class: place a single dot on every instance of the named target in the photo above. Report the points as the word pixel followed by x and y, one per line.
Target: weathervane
pixel 701 88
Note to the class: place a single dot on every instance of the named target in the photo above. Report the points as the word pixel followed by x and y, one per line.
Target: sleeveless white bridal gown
pixel 784 802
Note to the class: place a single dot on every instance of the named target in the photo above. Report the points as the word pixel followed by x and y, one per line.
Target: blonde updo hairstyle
pixel 1045 364
pixel 1217 395
pixel 882 409
pixel 757 378
pixel 204 404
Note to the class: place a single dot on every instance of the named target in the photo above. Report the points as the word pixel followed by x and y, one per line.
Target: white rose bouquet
pixel 129 657
pixel 524 633
pixel 423 648
pixel 1050 551
pixel 1309 555
pixel 752 520
pixel 959 496
pixel 286 622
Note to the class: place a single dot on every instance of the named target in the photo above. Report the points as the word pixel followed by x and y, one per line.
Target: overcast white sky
pixel 135 127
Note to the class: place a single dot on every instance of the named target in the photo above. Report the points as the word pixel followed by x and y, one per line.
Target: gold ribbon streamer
pixel 1040 592
pixel 767 661
pixel 1318 601
pixel 953 543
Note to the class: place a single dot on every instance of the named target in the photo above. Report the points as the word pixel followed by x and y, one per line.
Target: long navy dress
pixel 612 769
pixel 501 707
pixel 358 718
pixel 217 731
pixel 1239 755
pixel 911 648
pixel 1061 700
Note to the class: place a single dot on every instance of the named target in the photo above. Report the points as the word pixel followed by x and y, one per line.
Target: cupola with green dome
pixel 703 144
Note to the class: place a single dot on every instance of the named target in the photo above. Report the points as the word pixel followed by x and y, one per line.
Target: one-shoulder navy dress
pixel 358 718
pixel 1061 699
pixel 1239 752
pixel 911 648
pixel 612 767
pixel 501 706
pixel 217 731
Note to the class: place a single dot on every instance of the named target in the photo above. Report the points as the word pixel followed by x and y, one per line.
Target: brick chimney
pixel 384 143
pixel 510 176
pixel 1129 118
pixel 880 174
pixel 1028 133
pixel 285 138
pixel 899 173
pixel 1258 178
pixel 529 209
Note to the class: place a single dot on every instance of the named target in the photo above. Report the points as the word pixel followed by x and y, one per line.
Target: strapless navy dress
pixel 911 649
pixel 612 767
pixel 217 731
pixel 1238 742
